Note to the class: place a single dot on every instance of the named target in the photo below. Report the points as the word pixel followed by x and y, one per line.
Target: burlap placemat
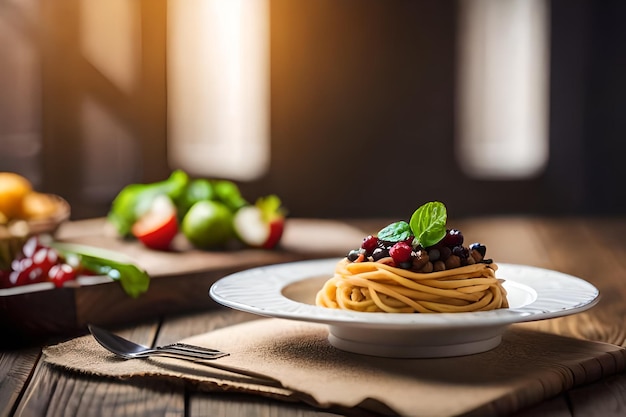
pixel 528 367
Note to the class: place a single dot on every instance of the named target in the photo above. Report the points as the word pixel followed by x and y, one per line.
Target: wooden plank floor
pixel 593 249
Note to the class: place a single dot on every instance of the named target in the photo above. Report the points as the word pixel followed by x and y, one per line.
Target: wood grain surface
pixel 593 249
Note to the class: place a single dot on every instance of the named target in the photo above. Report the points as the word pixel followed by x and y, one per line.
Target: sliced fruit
pixel 134 200
pixel 261 225
pixel 158 226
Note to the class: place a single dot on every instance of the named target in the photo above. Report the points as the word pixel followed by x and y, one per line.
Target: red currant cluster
pixel 448 253
pixel 37 263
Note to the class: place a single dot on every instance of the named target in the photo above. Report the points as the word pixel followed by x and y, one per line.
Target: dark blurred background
pixel 362 108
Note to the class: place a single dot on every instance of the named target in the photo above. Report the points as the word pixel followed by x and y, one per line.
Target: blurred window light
pixel 110 40
pixel 109 155
pixel 503 76
pixel 218 87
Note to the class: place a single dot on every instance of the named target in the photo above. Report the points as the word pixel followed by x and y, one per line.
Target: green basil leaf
pixel 428 223
pixel 134 280
pixel 395 232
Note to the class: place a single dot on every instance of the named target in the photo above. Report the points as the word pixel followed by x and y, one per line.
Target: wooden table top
pixel 593 249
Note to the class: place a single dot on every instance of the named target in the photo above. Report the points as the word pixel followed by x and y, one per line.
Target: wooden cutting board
pixel 180 279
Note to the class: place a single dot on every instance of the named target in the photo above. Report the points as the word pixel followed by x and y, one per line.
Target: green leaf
pixel 198 189
pixel 228 193
pixel 134 281
pixel 135 199
pixel 270 207
pixel 428 223
pixel 395 232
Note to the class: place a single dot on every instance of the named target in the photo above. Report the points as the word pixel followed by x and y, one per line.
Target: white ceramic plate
pixel 288 291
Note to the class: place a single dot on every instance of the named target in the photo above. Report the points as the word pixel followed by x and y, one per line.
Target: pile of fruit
pixel 43 260
pixel 424 245
pixel 19 201
pixel 25 212
pixel 209 213
pixel 38 263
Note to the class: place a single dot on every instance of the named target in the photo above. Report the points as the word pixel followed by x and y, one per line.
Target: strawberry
pixel 261 225
pixel 158 226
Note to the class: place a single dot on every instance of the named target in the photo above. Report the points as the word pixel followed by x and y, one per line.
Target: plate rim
pixel 581 296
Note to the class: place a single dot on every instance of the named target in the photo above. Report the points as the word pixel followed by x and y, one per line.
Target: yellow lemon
pixel 13 189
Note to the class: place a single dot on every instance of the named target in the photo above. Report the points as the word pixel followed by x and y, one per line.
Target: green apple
pixel 208 225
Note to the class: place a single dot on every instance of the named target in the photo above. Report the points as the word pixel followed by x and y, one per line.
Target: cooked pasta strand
pixel 381 287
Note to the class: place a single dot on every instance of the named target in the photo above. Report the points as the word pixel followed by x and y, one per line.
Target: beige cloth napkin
pixel 525 369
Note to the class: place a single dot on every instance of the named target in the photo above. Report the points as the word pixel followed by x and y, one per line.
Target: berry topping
pixel 424 245
pixel 453 238
pixel 369 244
pixel 444 253
pixel 380 253
pixel 353 255
pixel 434 254
pixel 480 248
pixel 420 260
pixel 460 251
pixel 401 252
pixel 385 244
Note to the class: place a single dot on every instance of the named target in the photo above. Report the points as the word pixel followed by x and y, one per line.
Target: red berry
pixel 61 273
pixel 14 279
pixel 369 244
pixel 38 263
pixel 31 246
pixel 16 264
pixel 401 252
pixel 45 258
pixel 20 265
pixel 27 273
pixel 453 238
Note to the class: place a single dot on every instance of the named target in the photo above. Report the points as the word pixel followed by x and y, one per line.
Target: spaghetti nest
pixel 379 287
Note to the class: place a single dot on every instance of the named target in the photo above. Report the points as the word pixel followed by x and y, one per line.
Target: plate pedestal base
pixel 422 344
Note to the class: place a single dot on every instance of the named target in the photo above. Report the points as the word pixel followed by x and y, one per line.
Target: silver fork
pixel 131 350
